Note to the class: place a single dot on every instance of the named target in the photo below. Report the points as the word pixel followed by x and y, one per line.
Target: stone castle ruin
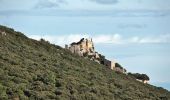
pixel 85 48
pixel 82 48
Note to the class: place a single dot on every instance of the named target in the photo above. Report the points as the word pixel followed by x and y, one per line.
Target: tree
pixel 118 65
pixel 140 76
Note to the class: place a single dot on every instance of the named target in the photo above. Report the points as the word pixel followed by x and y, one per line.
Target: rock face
pixel 85 48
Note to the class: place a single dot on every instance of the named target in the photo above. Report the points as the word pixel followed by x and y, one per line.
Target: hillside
pixel 38 70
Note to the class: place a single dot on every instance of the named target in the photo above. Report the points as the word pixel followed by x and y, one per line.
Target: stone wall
pixel 86 46
pixel 110 64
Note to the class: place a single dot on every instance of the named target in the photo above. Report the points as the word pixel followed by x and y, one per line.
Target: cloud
pixel 104 39
pixel 115 39
pixel 105 1
pixel 43 4
pixel 67 39
pixel 139 26
pixel 119 39
pixel 50 10
pixel 60 40
pixel 157 39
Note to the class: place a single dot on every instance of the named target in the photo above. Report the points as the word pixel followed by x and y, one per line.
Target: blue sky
pixel 135 33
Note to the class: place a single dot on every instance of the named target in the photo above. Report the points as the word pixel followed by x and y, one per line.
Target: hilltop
pixel 38 70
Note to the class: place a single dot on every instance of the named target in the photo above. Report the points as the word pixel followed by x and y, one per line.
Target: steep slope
pixel 38 70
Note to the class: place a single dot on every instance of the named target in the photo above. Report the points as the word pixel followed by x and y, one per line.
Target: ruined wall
pixel 83 46
pixel 86 46
pixel 90 46
pixel 110 64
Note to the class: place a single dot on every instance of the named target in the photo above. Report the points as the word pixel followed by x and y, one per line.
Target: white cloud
pixel 108 38
pixel 48 4
pixel 60 39
pixel 115 38
pixel 105 1
pixel 165 38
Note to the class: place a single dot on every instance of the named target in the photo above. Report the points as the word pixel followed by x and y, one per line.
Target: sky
pixel 134 33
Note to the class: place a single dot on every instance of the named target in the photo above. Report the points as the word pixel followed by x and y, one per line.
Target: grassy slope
pixel 31 69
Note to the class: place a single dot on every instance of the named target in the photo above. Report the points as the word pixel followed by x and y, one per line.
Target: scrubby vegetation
pixel 38 70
